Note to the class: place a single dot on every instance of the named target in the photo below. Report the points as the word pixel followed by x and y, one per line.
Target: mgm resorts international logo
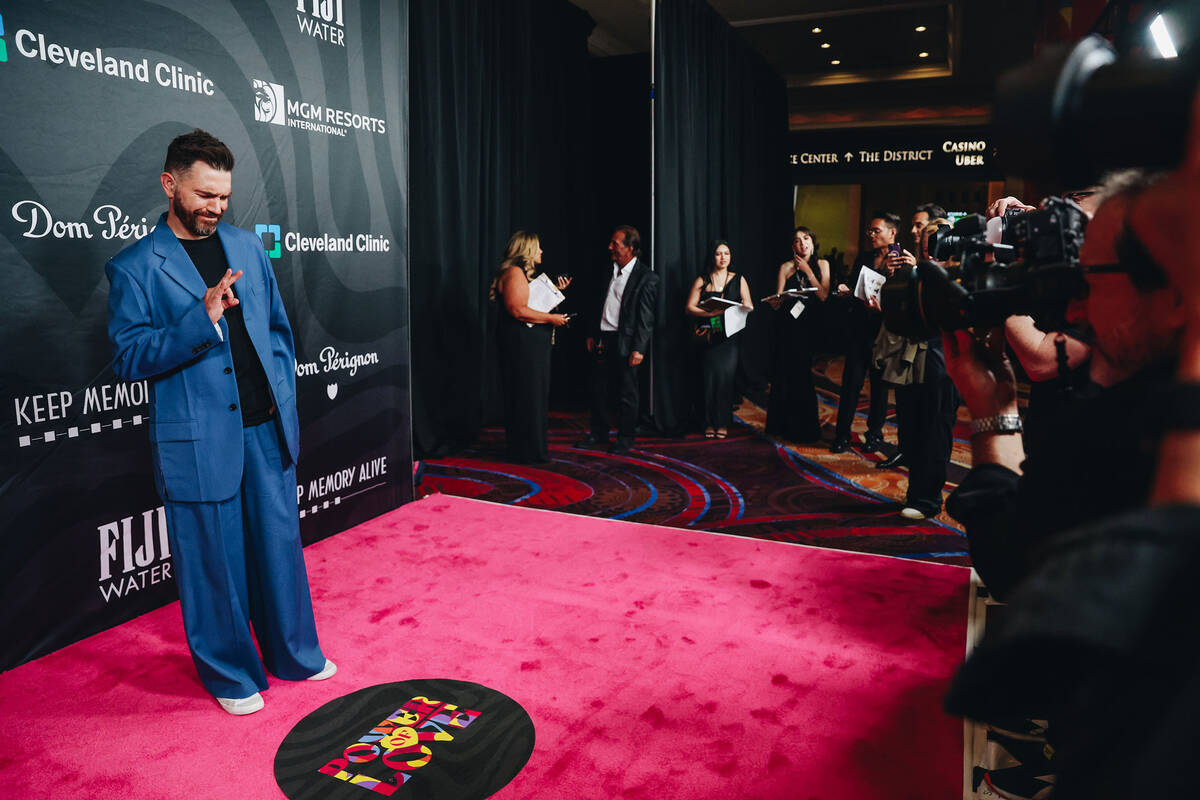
pixel 416 738
pixel 271 105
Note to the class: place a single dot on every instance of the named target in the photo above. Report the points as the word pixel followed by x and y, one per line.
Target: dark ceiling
pixel 882 78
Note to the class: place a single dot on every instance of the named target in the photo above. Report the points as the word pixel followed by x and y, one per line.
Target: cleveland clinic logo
pixel 270 104
pixel 272 239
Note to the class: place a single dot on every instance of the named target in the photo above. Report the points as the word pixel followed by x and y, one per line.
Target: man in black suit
pixel 620 339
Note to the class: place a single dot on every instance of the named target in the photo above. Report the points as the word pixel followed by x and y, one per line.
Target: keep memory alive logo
pixel 271 105
pixel 3 46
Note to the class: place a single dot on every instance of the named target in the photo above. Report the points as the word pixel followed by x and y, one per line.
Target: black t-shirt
pixel 253 389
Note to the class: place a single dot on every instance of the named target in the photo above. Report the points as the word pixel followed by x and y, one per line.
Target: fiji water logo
pixel 272 239
pixel 323 20
pixel 270 105
pixel 3 46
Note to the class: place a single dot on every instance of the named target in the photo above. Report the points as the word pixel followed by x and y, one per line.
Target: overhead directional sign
pixel 950 151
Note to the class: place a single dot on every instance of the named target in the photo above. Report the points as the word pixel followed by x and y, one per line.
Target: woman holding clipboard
pixel 802 285
pixel 524 336
pixel 711 295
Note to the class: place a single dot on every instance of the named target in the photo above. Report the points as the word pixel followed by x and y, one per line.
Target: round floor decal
pixel 412 740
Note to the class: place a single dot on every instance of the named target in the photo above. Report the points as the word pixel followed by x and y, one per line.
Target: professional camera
pixel 1027 263
pixel 1081 110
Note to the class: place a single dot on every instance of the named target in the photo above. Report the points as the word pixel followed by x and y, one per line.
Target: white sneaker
pixel 908 512
pixel 243 705
pixel 326 672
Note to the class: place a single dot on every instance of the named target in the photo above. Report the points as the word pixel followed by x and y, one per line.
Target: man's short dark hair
pixel 186 149
pixel 889 219
pixel 632 238
pixel 932 209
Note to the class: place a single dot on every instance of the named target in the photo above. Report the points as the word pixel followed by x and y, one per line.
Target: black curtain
pixel 498 111
pixel 721 172
pixel 617 170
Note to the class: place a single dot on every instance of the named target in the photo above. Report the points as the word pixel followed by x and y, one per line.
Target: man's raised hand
pixel 221 297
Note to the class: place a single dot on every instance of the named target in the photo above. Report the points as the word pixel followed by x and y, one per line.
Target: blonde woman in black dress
pixel 524 336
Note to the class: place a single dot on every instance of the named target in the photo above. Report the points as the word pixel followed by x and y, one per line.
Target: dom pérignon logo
pixel 270 105
pixel 413 739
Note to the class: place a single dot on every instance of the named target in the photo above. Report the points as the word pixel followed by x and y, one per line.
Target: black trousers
pixel 614 382
pixel 863 331
pixel 926 413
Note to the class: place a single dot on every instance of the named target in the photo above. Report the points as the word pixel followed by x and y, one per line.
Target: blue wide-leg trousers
pixel 239 565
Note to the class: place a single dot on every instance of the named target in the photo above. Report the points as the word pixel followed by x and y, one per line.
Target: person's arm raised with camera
pixel 980 369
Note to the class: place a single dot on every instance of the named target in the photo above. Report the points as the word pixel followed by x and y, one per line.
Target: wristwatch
pixel 1001 423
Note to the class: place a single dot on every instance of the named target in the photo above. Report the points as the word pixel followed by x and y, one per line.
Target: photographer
pixel 1091 639
pixel 1099 462
pixel 1038 350
pixel 863 323
pixel 926 404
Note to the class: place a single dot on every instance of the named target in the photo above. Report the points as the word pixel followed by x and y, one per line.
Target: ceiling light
pixel 1162 37
pixel 920 29
pixel 824 45
pixel 836 61
pixel 816 30
pixel 922 55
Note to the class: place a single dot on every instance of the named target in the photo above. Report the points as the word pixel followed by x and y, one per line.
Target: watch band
pixel 1001 423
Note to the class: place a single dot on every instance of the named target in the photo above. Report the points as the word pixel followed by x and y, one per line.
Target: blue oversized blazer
pixel 160 330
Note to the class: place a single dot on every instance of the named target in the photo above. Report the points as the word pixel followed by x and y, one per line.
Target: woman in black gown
pixel 524 337
pixel 792 407
pixel 719 360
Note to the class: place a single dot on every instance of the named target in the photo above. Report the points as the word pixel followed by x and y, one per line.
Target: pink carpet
pixel 654 662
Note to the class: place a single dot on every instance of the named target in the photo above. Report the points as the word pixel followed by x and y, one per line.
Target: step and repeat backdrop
pixel 311 97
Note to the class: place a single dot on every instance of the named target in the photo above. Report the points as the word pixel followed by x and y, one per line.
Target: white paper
pixel 543 294
pixel 797 310
pixel 869 284
pixel 735 319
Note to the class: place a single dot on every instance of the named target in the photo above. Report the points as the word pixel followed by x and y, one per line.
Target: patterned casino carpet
pixel 747 485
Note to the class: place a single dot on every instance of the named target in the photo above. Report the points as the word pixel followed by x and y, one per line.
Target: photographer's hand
pixel 998 208
pixel 980 369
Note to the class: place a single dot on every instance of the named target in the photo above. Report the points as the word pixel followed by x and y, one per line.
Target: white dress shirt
pixel 612 301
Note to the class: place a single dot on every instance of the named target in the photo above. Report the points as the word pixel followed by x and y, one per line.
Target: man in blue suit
pixel 195 309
